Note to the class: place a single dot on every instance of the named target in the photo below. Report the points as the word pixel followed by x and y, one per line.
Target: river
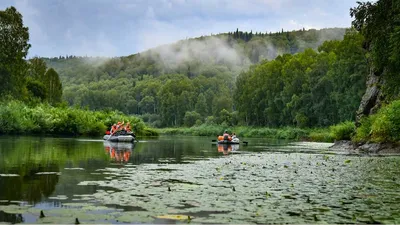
pixel 174 179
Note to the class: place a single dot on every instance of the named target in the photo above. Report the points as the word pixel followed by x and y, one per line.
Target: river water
pixel 190 180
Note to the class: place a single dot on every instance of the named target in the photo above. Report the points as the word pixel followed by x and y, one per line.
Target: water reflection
pixel 11 218
pixel 227 148
pixel 119 151
pixel 31 168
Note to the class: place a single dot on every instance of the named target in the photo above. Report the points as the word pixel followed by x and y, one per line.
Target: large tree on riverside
pixel 13 50
pixel 379 22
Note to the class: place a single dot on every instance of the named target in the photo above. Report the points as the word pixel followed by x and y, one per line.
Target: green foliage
pixel 36 89
pixel 191 118
pixel 241 132
pixel 363 132
pixel 37 69
pixel 201 105
pixel 192 75
pixel 291 133
pixel 320 135
pixel 382 127
pixel 14 47
pixel 309 89
pixel 378 21
pixel 225 117
pixel 53 86
pixel 342 131
pixel 17 118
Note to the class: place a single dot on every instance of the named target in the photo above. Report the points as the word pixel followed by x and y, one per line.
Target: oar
pixel 245 142
pixel 110 136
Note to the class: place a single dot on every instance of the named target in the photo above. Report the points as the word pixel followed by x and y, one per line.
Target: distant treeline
pixel 193 81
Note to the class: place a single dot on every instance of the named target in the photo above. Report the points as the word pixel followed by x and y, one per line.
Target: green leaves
pixel 14 47
pixel 307 89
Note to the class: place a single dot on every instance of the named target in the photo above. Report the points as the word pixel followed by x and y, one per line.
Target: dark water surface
pixel 187 179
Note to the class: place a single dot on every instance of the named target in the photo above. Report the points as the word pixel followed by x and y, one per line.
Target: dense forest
pixel 309 89
pixel 190 82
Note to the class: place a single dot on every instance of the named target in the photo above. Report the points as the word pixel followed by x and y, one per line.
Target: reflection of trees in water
pixel 27 156
pixel 11 218
pixel 30 187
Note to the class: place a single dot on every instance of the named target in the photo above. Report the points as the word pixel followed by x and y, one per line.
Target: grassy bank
pixel 329 134
pixel 19 118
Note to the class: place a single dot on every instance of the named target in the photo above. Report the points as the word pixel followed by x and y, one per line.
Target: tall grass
pixel 19 118
pixel 342 131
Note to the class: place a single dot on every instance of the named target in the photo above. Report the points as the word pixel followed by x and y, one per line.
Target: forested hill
pixel 226 54
pixel 193 81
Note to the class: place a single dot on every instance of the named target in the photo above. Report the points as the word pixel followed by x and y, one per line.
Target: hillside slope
pixel 189 82
pixel 210 55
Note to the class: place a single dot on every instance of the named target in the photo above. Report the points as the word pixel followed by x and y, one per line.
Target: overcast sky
pixel 124 27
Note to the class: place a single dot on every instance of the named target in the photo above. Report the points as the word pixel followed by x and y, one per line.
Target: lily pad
pixel 175 217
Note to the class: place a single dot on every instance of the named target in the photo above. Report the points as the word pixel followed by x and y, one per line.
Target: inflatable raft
pixel 120 137
pixel 234 141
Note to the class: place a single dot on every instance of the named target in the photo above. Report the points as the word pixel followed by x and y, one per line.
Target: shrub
pixel 342 131
pixel 386 125
pixel 320 135
pixel 17 117
pixel 363 132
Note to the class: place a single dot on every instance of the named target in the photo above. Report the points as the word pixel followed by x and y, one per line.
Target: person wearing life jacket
pixel 119 126
pixel 128 127
pixel 113 128
pixel 227 137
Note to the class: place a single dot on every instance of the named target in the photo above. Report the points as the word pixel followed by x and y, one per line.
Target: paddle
pixel 110 136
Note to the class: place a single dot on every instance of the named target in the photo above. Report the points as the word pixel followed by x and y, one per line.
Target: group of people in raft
pixel 120 127
pixel 227 136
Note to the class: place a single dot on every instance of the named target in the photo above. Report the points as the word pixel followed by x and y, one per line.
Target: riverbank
pixel 42 119
pixel 328 134
pixel 366 148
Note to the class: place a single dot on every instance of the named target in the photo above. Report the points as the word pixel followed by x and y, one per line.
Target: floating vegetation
pixel 75 168
pixel 48 173
pixel 59 197
pixel 9 175
pixel 175 217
